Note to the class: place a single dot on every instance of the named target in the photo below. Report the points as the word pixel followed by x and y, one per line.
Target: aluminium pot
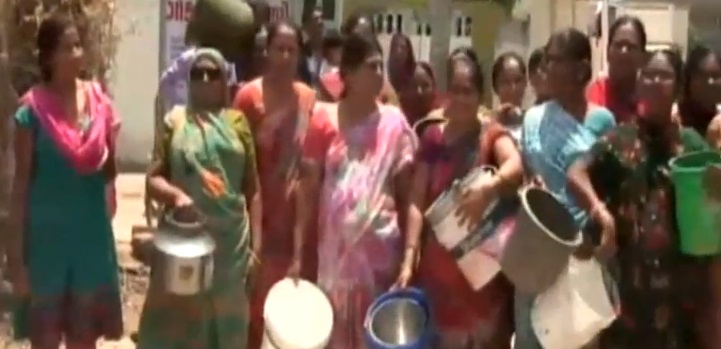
pixel 544 237
pixel 183 262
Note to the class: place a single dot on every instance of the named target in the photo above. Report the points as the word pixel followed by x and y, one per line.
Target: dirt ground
pixel 134 283
pixel 133 275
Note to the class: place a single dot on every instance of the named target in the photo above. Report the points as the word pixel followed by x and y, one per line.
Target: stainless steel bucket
pixel 398 322
pixel 544 238
pixel 184 262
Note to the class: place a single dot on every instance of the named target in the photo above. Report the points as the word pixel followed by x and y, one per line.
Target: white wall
pixel 135 79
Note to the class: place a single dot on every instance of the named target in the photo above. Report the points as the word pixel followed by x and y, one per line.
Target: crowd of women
pixel 326 177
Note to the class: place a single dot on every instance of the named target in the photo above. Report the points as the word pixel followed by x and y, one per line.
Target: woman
pixel 64 153
pixel 358 155
pixel 557 132
pixel 701 95
pixel 537 75
pixel 421 97
pixel 626 52
pixel 508 77
pixel 331 83
pixel 624 185
pixel 206 159
pixel 401 61
pixel 463 317
pixel 278 107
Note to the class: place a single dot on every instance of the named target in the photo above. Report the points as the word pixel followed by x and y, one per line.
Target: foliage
pixel 96 23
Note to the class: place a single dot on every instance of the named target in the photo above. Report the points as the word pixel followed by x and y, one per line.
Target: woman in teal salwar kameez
pixel 61 255
pixel 206 158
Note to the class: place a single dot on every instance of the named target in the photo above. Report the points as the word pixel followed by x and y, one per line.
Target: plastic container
pixel 698 219
pixel 297 316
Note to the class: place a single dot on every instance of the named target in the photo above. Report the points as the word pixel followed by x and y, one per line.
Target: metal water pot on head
pixel 184 259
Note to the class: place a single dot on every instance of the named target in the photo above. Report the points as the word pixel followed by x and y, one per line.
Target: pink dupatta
pixel 88 150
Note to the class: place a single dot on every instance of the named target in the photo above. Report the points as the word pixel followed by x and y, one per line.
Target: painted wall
pixel 487 19
pixel 135 79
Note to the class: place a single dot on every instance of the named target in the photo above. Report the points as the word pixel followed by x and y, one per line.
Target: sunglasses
pixel 205 74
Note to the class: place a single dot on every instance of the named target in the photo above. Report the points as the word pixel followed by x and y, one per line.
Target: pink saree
pixel 359 242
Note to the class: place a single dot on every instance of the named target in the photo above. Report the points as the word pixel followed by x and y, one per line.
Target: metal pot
pixel 474 246
pixel 183 263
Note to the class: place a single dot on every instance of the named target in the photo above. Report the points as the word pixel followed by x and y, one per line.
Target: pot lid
pixel 184 246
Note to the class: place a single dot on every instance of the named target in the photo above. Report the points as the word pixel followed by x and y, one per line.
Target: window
pixel 328 7
pixel 399 23
pixel 468 24
pixel 389 23
pixel 378 19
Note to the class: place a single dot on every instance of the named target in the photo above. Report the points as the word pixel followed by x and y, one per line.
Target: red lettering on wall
pixel 179 10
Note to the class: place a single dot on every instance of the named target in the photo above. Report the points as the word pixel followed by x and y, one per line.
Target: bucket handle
pixel 199 223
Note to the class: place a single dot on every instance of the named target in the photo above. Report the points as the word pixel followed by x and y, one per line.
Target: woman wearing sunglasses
pixel 206 158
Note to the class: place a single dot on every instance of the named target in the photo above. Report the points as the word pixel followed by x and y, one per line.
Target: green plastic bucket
pixel 698 219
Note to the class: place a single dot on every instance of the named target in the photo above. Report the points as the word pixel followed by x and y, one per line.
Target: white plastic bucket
pixel 297 316
pixel 577 307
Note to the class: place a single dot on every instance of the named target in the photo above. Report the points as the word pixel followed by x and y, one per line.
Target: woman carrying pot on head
pixel 448 151
pixel 626 51
pixel 624 184
pixel 700 103
pixel 557 132
pixel 509 80
pixel 358 157
pixel 278 108
pixel 65 157
pixel 206 159
pixel 331 83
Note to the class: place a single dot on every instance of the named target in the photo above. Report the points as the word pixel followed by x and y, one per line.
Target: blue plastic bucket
pixel 401 315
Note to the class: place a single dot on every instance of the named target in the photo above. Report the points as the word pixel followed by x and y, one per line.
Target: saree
pixel 217 319
pixel 464 318
pixel 360 246
pixel 278 139
pixel 195 144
